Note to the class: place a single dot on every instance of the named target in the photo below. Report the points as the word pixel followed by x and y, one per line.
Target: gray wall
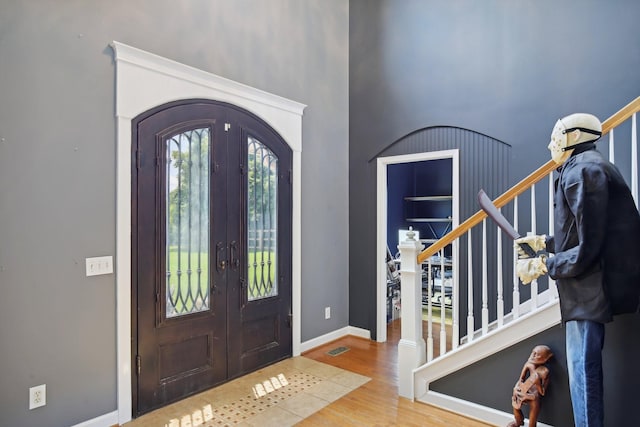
pixel 506 69
pixel 57 170
pixel 499 373
pixel 496 375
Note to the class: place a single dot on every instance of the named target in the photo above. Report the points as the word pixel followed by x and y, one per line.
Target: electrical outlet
pixel 327 312
pixel 37 396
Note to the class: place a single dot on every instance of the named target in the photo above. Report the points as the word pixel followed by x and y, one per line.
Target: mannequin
pixel 595 262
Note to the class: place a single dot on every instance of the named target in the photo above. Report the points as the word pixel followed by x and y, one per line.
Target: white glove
pixel 529 269
pixel 537 243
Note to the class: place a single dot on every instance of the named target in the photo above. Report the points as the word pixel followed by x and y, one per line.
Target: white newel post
pixel 411 348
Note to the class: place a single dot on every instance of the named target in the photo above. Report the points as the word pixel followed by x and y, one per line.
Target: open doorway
pixel 419 190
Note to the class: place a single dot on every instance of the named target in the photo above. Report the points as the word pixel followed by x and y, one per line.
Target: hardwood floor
pixel 376 403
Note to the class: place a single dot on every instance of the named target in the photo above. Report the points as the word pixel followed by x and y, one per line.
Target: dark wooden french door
pixel 211 249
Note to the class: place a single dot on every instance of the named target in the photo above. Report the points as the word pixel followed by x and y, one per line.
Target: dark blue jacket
pixel 597 239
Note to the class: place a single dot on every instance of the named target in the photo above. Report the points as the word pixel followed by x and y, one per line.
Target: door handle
pixel 221 259
pixel 234 261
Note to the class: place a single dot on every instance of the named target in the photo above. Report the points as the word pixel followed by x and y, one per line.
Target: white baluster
pixel 516 284
pixel 455 327
pixel 443 330
pixel 485 304
pixel 429 312
pixel 534 282
pixel 500 284
pixel 634 159
pixel 553 288
pixel 470 318
pixel 612 150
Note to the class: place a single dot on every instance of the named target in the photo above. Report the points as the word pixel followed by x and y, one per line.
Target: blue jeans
pixel 585 340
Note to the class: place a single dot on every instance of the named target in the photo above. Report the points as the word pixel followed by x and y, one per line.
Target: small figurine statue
pixel 531 386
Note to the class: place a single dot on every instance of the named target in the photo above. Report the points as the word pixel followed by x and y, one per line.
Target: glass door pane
pixel 187 222
pixel 262 221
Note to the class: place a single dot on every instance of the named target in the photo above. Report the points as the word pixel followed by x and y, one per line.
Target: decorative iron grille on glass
pixel 262 221
pixel 187 222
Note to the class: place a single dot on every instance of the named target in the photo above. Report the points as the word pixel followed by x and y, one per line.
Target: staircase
pixel 531 310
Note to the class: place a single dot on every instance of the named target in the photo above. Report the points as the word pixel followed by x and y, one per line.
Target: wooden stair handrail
pixel 622 115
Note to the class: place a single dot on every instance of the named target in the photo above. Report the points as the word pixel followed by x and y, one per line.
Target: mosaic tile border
pixel 278 395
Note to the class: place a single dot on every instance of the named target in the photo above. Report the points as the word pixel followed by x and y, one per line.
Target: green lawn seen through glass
pixel 198 263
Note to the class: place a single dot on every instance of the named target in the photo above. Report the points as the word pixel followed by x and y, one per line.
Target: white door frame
pixel 144 81
pixel 381 209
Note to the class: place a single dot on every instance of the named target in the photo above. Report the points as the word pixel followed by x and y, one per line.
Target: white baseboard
pixel 332 336
pixel 106 420
pixel 359 332
pixel 471 410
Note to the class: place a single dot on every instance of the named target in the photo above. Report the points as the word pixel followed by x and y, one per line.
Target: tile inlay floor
pixel 278 395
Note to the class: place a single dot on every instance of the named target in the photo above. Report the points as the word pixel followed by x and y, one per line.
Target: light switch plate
pixel 99 265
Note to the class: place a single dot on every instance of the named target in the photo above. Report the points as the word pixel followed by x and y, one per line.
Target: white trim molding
pixel 105 420
pixel 144 81
pixel 335 335
pixel 381 223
